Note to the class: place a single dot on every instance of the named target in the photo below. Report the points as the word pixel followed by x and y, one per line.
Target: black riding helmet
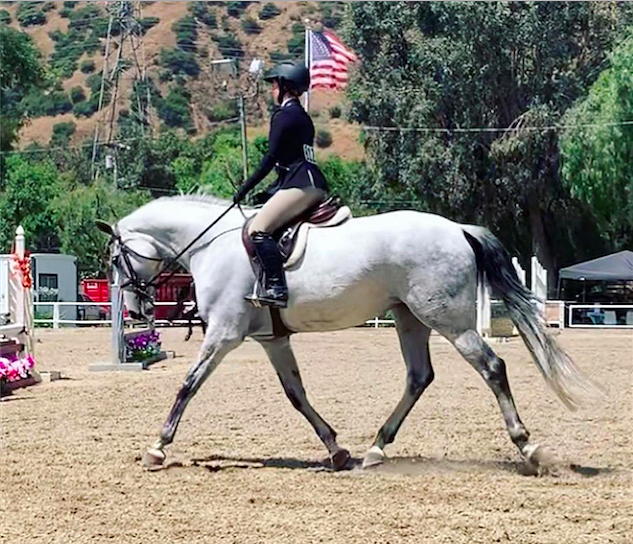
pixel 290 75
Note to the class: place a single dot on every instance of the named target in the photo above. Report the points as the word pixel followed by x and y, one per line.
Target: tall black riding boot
pixel 274 291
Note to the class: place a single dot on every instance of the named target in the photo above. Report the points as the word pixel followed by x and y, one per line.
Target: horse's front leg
pixel 217 344
pixel 281 356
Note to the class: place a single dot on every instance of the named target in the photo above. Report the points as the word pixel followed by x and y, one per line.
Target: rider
pixel 300 184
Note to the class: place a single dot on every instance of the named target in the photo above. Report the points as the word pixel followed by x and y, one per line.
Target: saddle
pixel 292 238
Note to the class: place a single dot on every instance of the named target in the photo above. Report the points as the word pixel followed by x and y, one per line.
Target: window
pixel 47 280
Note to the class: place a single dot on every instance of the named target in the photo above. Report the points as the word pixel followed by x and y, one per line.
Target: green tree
pixel 28 190
pixel 76 211
pixel 597 157
pixel 449 66
pixel 20 70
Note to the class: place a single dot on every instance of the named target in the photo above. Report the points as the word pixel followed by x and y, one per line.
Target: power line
pixel 495 129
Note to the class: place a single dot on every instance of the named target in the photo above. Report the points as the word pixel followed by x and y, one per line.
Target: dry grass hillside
pixel 205 89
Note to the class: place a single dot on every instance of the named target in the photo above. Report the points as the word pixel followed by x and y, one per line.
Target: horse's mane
pixel 197 197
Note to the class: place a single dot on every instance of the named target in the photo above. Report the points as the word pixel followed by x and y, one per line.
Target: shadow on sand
pixel 407 466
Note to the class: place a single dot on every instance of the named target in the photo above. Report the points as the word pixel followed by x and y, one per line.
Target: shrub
pixel 296 45
pixel 77 94
pixel 331 15
pixel 62 132
pixel 70 5
pixel 85 108
pixel 186 33
pixel 174 108
pixel 222 111
pixel 65 12
pixel 250 25
pixel 94 82
pixel 148 22
pixel 235 9
pixel 335 112
pixel 28 14
pixel 229 45
pixel 279 56
pixel 323 138
pixel 179 62
pixel 87 66
pixel 269 11
pixel 37 104
pixel 201 12
pixel 48 6
pixel 5 17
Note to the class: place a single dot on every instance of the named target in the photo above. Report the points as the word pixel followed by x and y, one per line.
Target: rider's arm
pixel 279 124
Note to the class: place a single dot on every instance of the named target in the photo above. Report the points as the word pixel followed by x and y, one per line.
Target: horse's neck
pixel 175 227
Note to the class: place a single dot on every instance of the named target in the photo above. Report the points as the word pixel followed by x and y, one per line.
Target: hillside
pixel 179 42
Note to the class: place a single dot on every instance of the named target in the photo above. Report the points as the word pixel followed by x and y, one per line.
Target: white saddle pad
pixel 342 215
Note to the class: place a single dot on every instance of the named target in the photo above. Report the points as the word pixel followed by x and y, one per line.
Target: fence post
pixel 55 316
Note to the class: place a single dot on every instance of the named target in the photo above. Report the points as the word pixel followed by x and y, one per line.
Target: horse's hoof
pixel 374 457
pixel 154 458
pixel 541 459
pixel 340 459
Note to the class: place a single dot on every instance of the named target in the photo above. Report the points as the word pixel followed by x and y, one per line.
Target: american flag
pixel 329 61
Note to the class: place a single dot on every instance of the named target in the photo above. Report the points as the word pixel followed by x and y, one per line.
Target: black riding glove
pixel 241 193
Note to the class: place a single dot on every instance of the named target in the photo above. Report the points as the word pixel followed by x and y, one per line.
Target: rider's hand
pixel 240 194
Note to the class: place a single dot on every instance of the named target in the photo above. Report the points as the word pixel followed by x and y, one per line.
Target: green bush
pixel 296 45
pixel 70 5
pixel 174 108
pixel 269 11
pixel 85 108
pixel 5 17
pixel 66 54
pixel 179 62
pixel 48 6
pixel 235 9
pixel 250 25
pixel 331 15
pixel 87 66
pixel 335 112
pixel 65 12
pixel 148 22
pixel 94 82
pixel 323 138
pixel 77 94
pixel 62 132
pixel 229 45
pixel 186 33
pixel 222 111
pixel 28 14
pixel 279 56
pixel 201 12
pixel 38 104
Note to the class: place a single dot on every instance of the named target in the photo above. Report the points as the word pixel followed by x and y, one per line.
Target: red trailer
pixel 98 290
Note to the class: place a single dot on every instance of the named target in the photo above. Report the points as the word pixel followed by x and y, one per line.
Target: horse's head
pixel 135 261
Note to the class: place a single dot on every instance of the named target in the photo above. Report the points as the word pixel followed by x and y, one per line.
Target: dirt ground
pixel 246 465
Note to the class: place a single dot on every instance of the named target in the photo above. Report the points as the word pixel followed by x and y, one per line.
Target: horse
pixel 423 267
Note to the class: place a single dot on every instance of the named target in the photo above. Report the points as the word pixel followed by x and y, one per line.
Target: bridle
pixel 139 286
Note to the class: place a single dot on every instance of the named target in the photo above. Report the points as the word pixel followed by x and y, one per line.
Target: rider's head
pixel 291 78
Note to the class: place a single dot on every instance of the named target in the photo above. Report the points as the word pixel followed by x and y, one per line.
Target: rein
pixel 140 286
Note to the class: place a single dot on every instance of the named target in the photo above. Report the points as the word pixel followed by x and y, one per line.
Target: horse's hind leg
pixel 493 370
pixel 414 342
pixel 283 360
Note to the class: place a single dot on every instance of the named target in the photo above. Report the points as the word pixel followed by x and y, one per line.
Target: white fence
pixel 600 316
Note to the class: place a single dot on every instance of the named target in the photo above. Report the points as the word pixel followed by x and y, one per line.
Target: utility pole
pixel 123 52
pixel 240 102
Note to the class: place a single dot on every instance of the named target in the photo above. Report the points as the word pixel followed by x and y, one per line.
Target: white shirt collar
pixel 286 100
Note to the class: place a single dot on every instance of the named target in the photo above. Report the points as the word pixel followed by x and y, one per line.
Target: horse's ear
pixel 104 227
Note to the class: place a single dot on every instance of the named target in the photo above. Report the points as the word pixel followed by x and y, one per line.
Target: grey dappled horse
pixel 423 267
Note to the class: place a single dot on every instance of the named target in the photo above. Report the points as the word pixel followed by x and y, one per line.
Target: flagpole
pixel 308 37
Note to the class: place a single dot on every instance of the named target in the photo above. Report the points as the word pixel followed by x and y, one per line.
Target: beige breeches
pixel 283 206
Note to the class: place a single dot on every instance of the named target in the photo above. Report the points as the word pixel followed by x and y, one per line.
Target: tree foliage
pixel 598 153
pixel 450 66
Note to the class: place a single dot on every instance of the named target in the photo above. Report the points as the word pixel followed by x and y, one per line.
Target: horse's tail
pixel 560 372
